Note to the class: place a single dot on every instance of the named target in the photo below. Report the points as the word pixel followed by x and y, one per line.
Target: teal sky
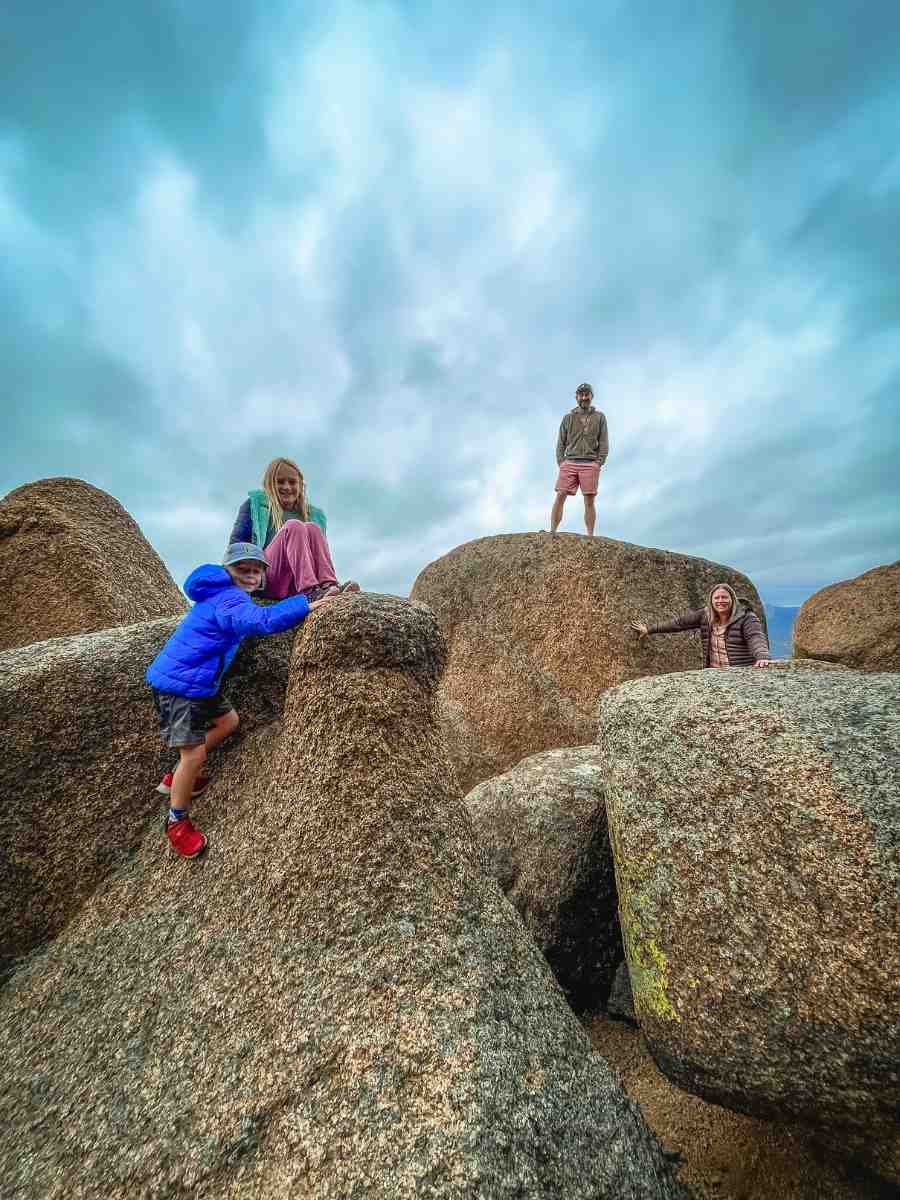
pixel 389 240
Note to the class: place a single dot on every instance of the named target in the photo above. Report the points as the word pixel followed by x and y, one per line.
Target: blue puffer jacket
pixel 199 652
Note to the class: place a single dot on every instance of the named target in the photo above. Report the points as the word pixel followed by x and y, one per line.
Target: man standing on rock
pixel 581 450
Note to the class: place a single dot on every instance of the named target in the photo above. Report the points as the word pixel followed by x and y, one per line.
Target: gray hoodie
pixel 583 437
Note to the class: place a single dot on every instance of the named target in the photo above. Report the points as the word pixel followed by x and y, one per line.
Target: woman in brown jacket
pixel 732 634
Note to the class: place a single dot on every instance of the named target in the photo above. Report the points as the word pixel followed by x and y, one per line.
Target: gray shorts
pixel 184 720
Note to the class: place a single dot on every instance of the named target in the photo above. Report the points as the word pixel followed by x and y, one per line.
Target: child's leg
pixel 320 555
pixel 221 728
pixel 298 558
pixel 183 837
pixel 221 720
pixel 189 766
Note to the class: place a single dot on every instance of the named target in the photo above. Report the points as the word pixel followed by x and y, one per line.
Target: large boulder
pixel 538 627
pixel 855 623
pixel 82 757
pixel 73 561
pixel 333 1002
pixel 755 821
pixel 542 829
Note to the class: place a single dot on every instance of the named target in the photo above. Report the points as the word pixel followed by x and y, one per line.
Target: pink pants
pixel 298 558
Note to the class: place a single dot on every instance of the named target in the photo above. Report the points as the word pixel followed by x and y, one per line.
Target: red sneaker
pixel 184 838
pixel 201 783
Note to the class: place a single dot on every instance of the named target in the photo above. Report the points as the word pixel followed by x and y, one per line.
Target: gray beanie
pixel 240 551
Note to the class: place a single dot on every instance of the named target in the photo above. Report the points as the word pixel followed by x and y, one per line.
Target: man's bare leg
pixel 590 515
pixel 556 511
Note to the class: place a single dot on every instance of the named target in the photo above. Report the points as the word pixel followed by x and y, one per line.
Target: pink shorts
pixel 571 474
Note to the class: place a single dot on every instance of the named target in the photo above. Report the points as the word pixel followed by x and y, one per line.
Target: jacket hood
pixel 738 606
pixel 207 581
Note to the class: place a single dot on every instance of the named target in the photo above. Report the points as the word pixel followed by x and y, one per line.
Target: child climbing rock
pixel 186 675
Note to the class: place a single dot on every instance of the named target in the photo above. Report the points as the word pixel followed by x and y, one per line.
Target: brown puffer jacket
pixel 745 642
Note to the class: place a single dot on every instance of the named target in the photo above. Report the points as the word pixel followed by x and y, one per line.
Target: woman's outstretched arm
pixel 689 620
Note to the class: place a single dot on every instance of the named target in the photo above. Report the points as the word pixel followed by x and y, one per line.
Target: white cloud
pixel 229 330
pixel 48 260
pixel 434 248
pixel 203 520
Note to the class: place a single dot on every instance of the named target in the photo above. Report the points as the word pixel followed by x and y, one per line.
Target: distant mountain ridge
pixel 780 620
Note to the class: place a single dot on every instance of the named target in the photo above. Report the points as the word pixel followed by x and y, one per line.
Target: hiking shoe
pixel 319 590
pixel 201 783
pixel 184 838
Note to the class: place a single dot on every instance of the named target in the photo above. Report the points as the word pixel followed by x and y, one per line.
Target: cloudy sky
pixel 390 239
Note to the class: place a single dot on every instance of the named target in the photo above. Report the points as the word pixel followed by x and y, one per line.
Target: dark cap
pixel 240 551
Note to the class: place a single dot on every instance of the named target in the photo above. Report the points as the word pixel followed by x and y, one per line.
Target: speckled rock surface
pixel 334 1002
pixel 73 561
pixel 538 627
pixel 755 820
pixel 856 622
pixel 542 829
pixel 621 1001
pixel 82 757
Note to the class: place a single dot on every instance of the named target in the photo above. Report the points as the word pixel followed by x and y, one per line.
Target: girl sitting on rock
pixel 279 517
pixel 731 632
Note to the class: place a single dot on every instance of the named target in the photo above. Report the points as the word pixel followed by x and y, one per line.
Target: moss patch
pixel 647 962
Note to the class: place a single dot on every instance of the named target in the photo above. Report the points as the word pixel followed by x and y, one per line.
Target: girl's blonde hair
pixel 276 512
pixel 710 611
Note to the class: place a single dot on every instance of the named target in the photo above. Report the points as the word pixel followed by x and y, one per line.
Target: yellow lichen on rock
pixel 648 965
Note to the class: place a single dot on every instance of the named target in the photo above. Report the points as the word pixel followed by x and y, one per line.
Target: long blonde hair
pixel 276 512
